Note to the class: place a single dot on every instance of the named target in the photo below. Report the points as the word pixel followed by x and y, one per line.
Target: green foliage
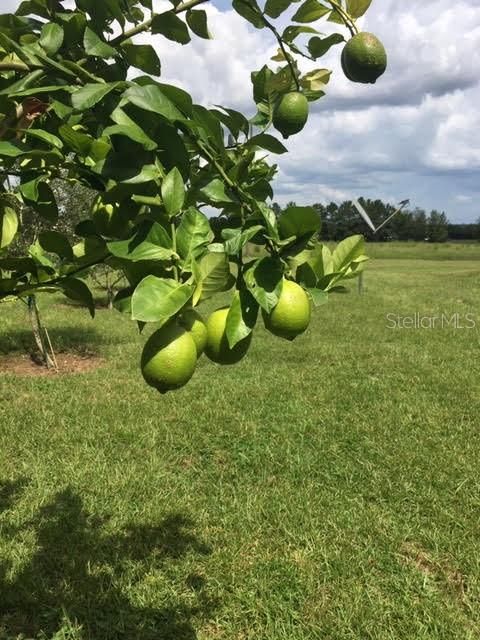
pixel 72 112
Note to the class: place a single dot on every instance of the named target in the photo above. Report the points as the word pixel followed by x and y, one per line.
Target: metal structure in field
pixel 367 219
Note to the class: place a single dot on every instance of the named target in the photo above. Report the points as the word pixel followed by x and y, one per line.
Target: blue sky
pixel 415 134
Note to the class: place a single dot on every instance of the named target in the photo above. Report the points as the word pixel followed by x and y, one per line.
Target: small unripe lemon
pixel 364 58
pixel 291 315
pixel 193 323
pixel 169 358
pixel 291 113
pixel 217 347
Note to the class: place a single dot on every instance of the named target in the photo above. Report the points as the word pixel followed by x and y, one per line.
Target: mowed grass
pixel 322 489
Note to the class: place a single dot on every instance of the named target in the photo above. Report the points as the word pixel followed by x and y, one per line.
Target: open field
pixel 322 490
pixel 424 250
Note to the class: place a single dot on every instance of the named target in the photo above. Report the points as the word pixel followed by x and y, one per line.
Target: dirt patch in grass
pixel 68 363
pixel 439 571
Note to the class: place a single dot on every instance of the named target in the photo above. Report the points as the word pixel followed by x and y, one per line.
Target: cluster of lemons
pixel 171 353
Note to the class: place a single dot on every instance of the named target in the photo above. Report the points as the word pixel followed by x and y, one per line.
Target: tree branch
pixel 286 55
pixel 144 26
pixel 349 23
pixel 29 287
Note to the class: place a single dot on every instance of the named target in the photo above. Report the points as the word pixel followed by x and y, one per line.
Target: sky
pixel 415 134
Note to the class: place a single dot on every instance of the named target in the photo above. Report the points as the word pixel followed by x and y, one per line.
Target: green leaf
pixel 336 17
pixel 38 255
pixel 319 46
pixel 275 8
pixel 143 251
pixel 74 26
pixel 45 136
pixel 316 80
pixel 264 281
pixel 197 21
pixel 123 301
pixel 270 220
pixel 152 243
pixel 127 127
pixel 318 296
pixel 168 24
pixel 298 222
pixel 306 276
pixel 87 96
pixel 25 83
pixel 293 31
pixel 95 46
pixel 180 98
pixel 193 235
pixel 55 242
pixel 210 124
pixel 310 11
pixel 79 142
pixel 320 261
pixel 356 8
pixel 151 98
pixel 233 120
pixel 249 10
pixel 238 239
pixel 173 192
pixel 51 38
pixel 148 173
pixel 8 225
pixel 268 142
pixel 57 66
pixel 241 318
pixel 260 81
pixel 142 56
pixel 282 80
pixel 76 289
pixel 12 150
pixel 158 299
pixel 215 193
pixel 24 53
pixel 347 251
pixel 39 195
pixel 213 275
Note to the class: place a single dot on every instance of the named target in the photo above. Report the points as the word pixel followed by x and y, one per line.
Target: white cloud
pixel 216 71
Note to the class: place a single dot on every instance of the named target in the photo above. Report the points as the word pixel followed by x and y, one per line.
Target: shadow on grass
pixel 81 340
pixel 73 577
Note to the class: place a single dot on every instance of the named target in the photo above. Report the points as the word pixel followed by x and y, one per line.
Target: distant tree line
pixel 341 220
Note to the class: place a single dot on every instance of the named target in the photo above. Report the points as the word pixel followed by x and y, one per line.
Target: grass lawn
pixel 326 489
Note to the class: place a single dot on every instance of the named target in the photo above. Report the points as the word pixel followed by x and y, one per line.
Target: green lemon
pixel 169 358
pixel 217 347
pixel 291 113
pixel 110 219
pixel 364 58
pixel 291 315
pixel 193 323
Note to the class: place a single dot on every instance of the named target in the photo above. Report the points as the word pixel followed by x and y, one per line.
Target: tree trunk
pixel 37 330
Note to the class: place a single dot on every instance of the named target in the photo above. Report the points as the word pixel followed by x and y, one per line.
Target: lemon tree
pixel 82 101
